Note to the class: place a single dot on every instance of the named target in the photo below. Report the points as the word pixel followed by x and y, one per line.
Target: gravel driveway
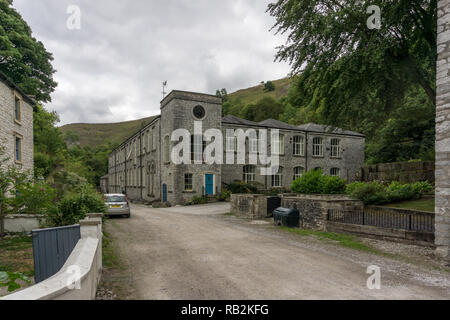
pixel 198 252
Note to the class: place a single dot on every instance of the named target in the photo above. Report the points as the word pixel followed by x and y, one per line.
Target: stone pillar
pixel 91 227
pixel 443 132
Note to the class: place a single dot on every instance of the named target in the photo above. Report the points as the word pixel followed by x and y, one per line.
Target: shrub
pixel 399 192
pixel 241 187
pixel 225 195
pixel 34 198
pixel 198 200
pixel 310 182
pixel 351 187
pixel 314 181
pixel 74 206
pixel 369 193
pixel 333 185
pixel 422 187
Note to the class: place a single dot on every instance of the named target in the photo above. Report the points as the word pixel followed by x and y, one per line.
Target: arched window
pixel 335 148
pixel 318 147
pixel 299 146
pixel 249 174
pixel 277 179
pixel 335 172
pixel 298 172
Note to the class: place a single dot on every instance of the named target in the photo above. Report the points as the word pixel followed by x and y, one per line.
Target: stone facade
pixel 254 206
pixel 443 131
pixel 142 168
pixel 16 125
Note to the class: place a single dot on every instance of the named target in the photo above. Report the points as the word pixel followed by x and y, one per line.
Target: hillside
pixel 99 134
pixel 253 94
pixel 103 133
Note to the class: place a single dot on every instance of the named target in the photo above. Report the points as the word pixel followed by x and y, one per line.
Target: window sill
pixel 298 156
pixel 189 192
pixel 18 122
pixel 18 162
pixel 318 157
pixel 338 158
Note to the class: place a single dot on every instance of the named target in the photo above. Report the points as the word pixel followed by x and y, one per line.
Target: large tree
pixel 22 58
pixel 348 71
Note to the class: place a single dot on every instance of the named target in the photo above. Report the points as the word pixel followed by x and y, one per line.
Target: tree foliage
pixel 22 58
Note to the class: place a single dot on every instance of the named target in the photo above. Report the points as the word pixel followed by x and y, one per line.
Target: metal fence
pixel 386 218
pixel 51 248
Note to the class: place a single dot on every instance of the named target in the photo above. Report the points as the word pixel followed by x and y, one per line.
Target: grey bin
pixel 286 217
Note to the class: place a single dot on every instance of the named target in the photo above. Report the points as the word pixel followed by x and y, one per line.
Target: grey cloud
pixel 112 69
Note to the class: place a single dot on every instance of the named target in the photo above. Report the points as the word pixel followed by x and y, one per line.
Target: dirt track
pixel 199 253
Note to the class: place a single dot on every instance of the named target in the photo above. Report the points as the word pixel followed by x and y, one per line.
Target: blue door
pixel 209 184
pixel 164 192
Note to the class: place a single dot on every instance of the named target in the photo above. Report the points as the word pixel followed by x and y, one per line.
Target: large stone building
pixel 141 166
pixel 443 131
pixel 16 124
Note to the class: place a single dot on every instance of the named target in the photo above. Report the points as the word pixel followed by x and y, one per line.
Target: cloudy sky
pixel 112 68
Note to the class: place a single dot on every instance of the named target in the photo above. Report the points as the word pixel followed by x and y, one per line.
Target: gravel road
pixel 198 252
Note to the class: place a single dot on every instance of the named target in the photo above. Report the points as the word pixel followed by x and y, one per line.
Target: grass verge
pixel 425 204
pixel 340 239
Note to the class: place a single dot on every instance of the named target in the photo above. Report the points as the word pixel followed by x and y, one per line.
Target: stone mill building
pixel 141 166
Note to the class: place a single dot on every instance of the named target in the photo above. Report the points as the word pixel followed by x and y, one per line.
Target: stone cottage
pixel 16 124
pixel 141 166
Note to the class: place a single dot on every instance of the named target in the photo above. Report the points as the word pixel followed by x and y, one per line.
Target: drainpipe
pixel 160 160
pixel 140 162
pixel 306 151
pixel 126 175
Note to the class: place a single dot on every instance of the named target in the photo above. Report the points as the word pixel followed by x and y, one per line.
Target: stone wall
pixel 406 172
pixel 22 222
pixel 253 206
pixel 314 208
pixel 443 131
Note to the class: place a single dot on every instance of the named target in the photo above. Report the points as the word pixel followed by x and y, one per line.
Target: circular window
pixel 199 112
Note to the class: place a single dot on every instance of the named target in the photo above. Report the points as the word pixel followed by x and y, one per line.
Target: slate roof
pixel 313 127
pixel 272 123
pixel 6 80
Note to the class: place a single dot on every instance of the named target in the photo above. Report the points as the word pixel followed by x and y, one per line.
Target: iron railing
pixel 385 218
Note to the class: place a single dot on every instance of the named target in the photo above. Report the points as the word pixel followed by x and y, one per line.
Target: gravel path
pixel 198 252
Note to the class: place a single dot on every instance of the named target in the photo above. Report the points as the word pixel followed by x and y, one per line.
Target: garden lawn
pixel 425 204
pixel 16 255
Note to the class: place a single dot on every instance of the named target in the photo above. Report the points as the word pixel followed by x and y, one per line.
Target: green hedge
pixel 377 193
pixel 315 182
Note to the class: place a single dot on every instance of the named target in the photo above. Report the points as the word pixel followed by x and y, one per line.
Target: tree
pixel 22 58
pixel 9 178
pixel 344 67
pixel 269 86
pixel 265 108
pixel 222 94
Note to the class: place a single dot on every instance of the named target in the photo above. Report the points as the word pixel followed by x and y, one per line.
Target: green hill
pixel 103 133
pixel 254 94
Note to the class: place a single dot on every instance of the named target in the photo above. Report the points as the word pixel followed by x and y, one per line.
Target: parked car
pixel 117 205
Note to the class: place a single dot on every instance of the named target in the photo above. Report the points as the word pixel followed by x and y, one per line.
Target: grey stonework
pixel 442 239
pixel 133 174
pixel 10 128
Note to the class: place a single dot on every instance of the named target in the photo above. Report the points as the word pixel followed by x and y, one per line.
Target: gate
pixel 51 248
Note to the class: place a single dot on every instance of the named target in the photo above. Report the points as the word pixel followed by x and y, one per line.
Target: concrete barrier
pixel 79 277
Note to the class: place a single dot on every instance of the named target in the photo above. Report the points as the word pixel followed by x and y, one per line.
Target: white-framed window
pixel 298 172
pixel 188 186
pixel 18 147
pixel 278 144
pixel 231 141
pixel 198 146
pixel 335 172
pixel 299 146
pixel 335 148
pixel 253 143
pixel 318 147
pixel 277 179
pixel 17 111
pixel 166 149
pixel 249 174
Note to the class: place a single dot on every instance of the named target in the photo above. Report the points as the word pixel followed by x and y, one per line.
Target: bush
pixel 74 206
pixel 369 193
pixel 398 192
pixel 314 182
pixel 225 195
pixel 241 187
pixel 34 198
pixel 422 187
pixel 198 200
